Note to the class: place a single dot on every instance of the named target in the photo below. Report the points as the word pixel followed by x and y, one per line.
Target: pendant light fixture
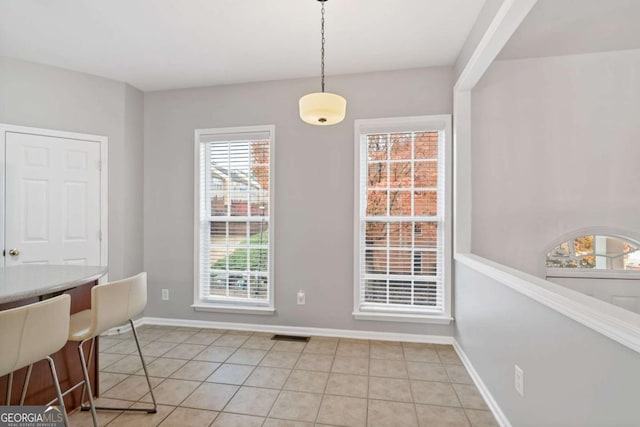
pixel 322 108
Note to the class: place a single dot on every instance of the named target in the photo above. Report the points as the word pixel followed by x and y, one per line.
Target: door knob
pixel 14 252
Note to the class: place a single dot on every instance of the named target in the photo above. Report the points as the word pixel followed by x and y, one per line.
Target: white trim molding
pixel 501 418
pixel 616 323
pixel 289 330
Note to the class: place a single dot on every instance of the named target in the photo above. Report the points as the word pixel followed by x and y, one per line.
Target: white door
pixel 52 200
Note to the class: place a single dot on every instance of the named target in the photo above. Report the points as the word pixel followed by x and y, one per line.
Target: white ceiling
pixel 566 27
pixel 163 44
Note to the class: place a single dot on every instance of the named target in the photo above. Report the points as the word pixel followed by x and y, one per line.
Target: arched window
pixel 596 252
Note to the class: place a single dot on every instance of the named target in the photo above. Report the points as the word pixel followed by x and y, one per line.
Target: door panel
pixel 52 200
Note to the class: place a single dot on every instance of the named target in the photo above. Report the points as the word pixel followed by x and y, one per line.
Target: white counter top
pixel 26 281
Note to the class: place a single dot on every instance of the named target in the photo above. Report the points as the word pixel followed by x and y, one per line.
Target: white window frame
pixel 245 307
pixel 404 124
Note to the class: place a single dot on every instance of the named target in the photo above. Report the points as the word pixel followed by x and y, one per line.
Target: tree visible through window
pixel 234 217
pixel 401 218
pixel 595 252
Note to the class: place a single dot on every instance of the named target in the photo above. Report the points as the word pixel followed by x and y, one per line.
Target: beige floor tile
pixel 315 362
pixel 387 368
pixel 124 347
pixel 384 414
pixel 215 354
pixel 148 334
pixel 458 374
pixel 420 353
pixel 186 329
pixel 441 416
pixel 83 418
pixel 127 365
pixel 157 348
pixel 352 349
pixel 434 393
pixel 231 374
pixel 280 359
pixel 348 385
pixel 343 411
pixel 259 343
pixel 247 356
pixel 321 346
pixel 236 420
pixel 203 338
pixel 390 389
pixel 176 336
pixel 108 380
pixel 293 405
pixel 267 377
pixel 231 340
pixel 252 401
pixel 273 422
pixel 171 392
pixel 470 396
pixel 162 367
pixel 481 418
pixel 195 370
pixel 210 396
pixel 142 419
pixel 308 381
pixel 293 346
pixel 427 371
pixel 350 365
pixel 387 351
pixel 182 417
pixel 132 388
pixel 449 356
pixel 106 342
pixel 240 332
pixel 106 359
pixel 185 351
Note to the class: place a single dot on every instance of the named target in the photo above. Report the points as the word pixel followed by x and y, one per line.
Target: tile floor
pixel 206 377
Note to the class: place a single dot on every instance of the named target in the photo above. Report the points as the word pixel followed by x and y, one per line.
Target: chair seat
pixel 80 326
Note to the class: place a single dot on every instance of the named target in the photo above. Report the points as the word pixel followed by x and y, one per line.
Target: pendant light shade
pixel 322 108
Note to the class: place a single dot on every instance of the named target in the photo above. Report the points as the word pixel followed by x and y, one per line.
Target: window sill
pixel 403 317
pixel 236 309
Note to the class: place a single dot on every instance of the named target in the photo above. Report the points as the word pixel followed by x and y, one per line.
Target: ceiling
pixel 566 27
pixel 165 44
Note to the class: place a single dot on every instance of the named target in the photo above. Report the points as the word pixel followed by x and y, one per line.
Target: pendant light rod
pixel 322 108
pixel 322 49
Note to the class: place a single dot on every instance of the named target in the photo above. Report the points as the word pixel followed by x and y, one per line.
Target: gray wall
pixel 574 376
pixel 47 97
pixel 555 149
pixel 313 183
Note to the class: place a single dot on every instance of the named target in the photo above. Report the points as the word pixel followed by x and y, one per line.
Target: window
pixel 234 225
pixel 402 227
pixel 593 252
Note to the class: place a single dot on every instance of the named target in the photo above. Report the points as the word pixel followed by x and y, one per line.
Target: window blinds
pixel 401 226
pixel 235 194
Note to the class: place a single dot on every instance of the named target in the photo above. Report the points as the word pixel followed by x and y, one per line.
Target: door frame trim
pixel 104 178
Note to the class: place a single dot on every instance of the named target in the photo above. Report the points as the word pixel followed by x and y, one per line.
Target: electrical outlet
pixel 165 295
pixel 301 299
pixel 519 381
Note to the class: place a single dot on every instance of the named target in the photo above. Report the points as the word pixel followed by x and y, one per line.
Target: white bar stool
pixel 32 333
pixel 112 304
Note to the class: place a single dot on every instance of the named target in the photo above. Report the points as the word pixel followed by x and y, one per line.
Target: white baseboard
pixel 501 418
pixel 290 330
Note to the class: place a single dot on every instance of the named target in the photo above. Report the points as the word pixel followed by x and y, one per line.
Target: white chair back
pixel 32 332
pixel 114 303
